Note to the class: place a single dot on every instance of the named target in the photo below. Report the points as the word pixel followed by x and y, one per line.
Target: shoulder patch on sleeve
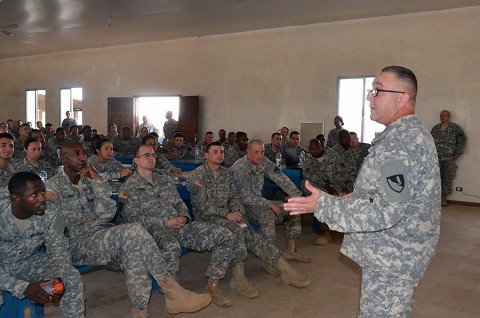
pixel 123 195
pixel 395 179
pixel 198 183
pixel 50 195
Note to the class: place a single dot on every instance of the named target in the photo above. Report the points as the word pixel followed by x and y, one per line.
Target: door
pixel 188 117
pixel 123 113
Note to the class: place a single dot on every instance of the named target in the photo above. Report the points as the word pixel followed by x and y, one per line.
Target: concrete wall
pixel 259 81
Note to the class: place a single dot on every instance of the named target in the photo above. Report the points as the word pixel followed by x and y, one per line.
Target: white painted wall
pixel 260 81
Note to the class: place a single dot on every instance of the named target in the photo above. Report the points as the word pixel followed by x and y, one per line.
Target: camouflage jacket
pixel 16 248
pixel 149 204
pixel 213 195
pixel 392 221
pixel 249 181
pixel 450 142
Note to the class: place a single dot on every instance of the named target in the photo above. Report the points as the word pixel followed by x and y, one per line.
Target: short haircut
pixel 294 133
pixel 353 133
pixel 154 134
pixel 73 126
pixel 112 125
pixel 343 132
pixel 403 74
pixel 18 182
pixel 25 124
pixel 144 139
pixel 213 143
pixel 29 140
pixel 314 142
pixel 285 128
pixel 240 134
pixel 254 141
pixel 137 150
pixel 48 125
pixel 6 135
pixel 231 133
pixel 177 135
pixel 59 129
pixel 127 129
pixel 275 133
pixel 208 133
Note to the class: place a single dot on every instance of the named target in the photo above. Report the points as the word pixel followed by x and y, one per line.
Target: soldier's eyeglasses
pixel 146 155
pixel 375 92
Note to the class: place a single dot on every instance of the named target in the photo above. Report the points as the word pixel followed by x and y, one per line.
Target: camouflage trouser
pixel 385 296
pixel 130 248
pixel 198 236
pixel 41 267
pixel 266 220
pixel 448 168
pixel 246 238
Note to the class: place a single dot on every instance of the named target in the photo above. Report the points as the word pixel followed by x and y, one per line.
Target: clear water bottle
pixel 278 159
pixel 301 159
pixel 197 153
pixel 54 286
pixel 43 175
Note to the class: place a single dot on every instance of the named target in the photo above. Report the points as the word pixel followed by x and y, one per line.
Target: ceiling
pixel 46 26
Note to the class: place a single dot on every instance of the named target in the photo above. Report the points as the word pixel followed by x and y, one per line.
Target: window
pixel 155 108
pixel 354 108
pixel 71 99
pixel 35 106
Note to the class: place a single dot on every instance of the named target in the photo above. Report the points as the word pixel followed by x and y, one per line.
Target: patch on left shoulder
pixel 123 195
pixel 50 195
pixel 396 182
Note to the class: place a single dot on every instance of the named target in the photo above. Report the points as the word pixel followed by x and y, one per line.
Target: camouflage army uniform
pixel 362 151
pixel 152 205
pixel 314 171
pixel 185 151
pixel 113 138
pixel 249 181
pixel 50 155
pixel 213 197
pixel 169 128
pixel 392 221
pixel 21 262
pixel 54 143
pixel 271 152
pixel 450 143
pixel 332 138
pixel 74 138
pixel 162 164
pixel 24 165
pixel 126 147
pixel 7 172
pixel 232 155
pixel 341 168
pixel 94 241
pixel 19 146
pixel 224 143
pixel 108 170
pixel 149 126
pixel 199 149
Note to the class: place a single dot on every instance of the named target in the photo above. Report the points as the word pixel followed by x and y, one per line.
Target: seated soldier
pixel 113 135
pixel 7 166
pixel 23 132
pixel 48 154
pixel 57 141
pixel 273 148
pixel 26 224
pixel 238 150
pixel 32 161
pixel 86 204
pixel 177 149
pixel 127 144
pixel 215 200
pixel 162 165
pixel 152 200
pixel 73 135
pixel 313 170
pixel 342 164
pixel 249 174
pixel 360 148
pixel 294 142
pixel 199 148
pixel 222 138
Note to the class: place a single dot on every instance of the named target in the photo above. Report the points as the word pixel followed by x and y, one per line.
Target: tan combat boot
pixel 139 313
pixel 289 276
pixel 213 289
pixel 291 253
pixel 271 270
pixel 324 238
pixel 178 299
pixel 240 283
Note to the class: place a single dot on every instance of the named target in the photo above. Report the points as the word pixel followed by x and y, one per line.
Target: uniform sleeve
pixel 57 247
pixel 202 204
pixel 246 189
pixel 381 209
pixel 104 206
pixel 461 142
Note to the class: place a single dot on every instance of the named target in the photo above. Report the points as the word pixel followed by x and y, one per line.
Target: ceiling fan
pixel 4 28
